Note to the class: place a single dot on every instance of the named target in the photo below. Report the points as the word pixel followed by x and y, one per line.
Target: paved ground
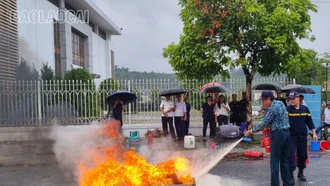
pixel 33 163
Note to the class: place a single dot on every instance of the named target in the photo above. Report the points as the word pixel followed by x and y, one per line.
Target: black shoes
pixel 292 180
pixel 301 175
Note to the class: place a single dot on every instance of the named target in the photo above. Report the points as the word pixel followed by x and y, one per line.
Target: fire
pixel 113 166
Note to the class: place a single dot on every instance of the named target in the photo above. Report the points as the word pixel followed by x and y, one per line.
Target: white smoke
pixel 214 180
pixel 73 142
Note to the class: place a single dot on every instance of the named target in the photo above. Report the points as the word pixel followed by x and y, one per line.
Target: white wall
pixel 101 57
pixel 36 41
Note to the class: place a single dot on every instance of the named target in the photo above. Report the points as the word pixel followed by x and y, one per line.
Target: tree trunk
pixel 249 78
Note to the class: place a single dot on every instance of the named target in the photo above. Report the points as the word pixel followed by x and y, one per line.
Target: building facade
pixel 66 34
pixel 8 40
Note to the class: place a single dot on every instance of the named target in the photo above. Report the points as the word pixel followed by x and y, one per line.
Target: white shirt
pixel 304 103
pixel 222 110
pixel 180 108
pixel 327 115
pixel 166 105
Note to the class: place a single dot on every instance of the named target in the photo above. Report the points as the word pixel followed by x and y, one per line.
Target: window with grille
pixel 78 55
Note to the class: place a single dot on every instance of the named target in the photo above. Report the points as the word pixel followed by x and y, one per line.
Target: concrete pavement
pixel 32 163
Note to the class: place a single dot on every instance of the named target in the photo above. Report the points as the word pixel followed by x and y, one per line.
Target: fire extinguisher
pixel 150 140
pixel 253 154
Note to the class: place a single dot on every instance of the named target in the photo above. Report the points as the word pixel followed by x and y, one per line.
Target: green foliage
pixel 108 86
pixel 194 97
pixel 259 36
pixel 82 89
pixel 47 72
pixel 315 74
pixel 25 72
pixel 263 35
pixel 78 74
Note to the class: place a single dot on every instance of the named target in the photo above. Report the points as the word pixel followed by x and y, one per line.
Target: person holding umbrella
pixel 117 101
pixel 208 117
pixel 117 111
pixel 167 108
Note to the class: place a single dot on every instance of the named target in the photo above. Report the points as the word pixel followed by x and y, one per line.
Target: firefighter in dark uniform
pixel 299 117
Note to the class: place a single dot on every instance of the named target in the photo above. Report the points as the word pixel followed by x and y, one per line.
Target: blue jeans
pixel 279 150
pixel 321 126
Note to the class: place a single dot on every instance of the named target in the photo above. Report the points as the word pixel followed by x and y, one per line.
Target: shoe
pixel 204 139
pixel 301 175
pixel 292 181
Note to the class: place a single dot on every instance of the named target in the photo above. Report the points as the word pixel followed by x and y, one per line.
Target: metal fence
pixel 26 103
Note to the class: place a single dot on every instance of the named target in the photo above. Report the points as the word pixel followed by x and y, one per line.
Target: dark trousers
pixel 186 126
pixel 236 120
pixel 206 121
pixel 279 157
pixel 298 144
pixel 178 121
pixel 120 128
pixel 169 121
pixel 222 119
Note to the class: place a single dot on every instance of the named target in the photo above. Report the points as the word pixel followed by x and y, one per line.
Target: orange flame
pixel 112 166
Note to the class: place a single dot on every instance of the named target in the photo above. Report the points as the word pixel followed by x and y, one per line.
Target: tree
pixel 261 34
pixel 316 74
pixel 25 72
pixel 47 72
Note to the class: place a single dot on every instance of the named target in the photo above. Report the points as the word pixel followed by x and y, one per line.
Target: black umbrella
pixel 172 92
pixel 126 97
pixel 266 86
pixel 298 88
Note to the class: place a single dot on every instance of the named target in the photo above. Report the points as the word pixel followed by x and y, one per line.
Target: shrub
pixel 82 93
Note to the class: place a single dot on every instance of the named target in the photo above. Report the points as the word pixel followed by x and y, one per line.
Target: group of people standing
pixel 288 126
pixel 176 114
pixel 180 111
pixel 218 111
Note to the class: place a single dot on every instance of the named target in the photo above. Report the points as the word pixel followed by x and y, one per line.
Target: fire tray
pixel 183 184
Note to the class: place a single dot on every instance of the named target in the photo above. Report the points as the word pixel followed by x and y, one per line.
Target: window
pixel 57 47
pixel 102 34
pixel 92 26
pixel 78 55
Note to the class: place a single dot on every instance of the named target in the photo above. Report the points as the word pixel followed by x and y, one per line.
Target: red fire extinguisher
pixel 253 154
pixel 150 140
